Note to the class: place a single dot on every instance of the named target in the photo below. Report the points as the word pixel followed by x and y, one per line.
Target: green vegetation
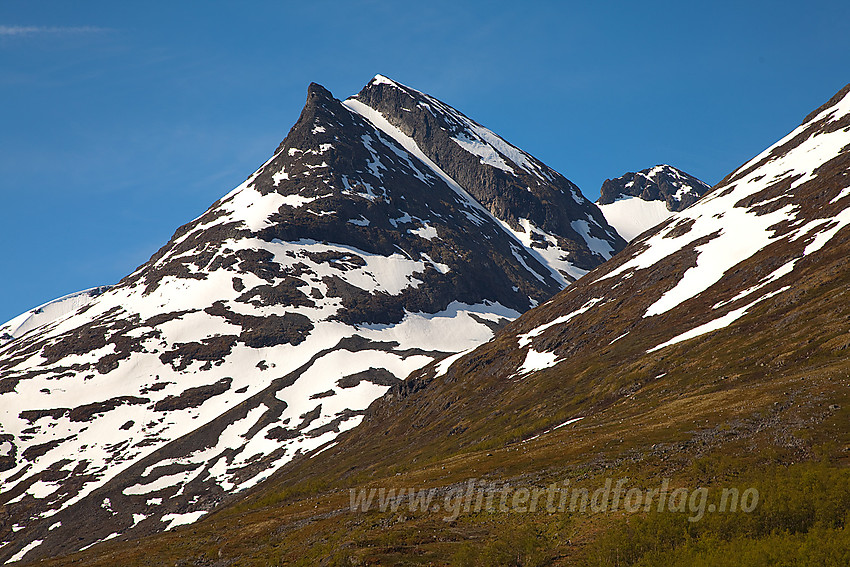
pixel 802 519
pixel 519 545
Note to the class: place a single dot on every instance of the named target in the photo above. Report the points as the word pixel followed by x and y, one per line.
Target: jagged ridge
pixel 636 202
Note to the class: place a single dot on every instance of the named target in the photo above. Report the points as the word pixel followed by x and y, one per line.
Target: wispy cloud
pixel 21 31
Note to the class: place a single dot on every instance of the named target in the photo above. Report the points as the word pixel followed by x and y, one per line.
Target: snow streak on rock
pixel 542 210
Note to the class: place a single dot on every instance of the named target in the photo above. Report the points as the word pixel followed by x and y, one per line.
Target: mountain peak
pixel 315 90
pixel 541 208
pixel 267 327
pixel 383 79
pixel 638 201
pixel 353 256
pixel 662 182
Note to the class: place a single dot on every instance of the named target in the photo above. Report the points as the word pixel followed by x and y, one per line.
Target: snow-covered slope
pixel 47 313
pixel 632 216
pixel 636 202
pixel 262 330
pixel 706 267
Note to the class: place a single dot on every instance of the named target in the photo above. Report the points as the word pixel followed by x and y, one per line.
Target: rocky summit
pixel 538 205
pixel 386 231
pixel 635 202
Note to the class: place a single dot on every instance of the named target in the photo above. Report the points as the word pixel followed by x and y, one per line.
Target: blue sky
pixel 121 121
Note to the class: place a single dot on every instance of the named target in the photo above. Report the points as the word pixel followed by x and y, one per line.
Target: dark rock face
pixel 660 183
pixel 382 198
pixel 266 326
pixel 511 184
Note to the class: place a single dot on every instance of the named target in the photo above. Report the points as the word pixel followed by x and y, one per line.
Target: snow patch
pixel 537 361
pixel 525 339
pixel 633 216
pixel 598 245
pixel 26 549
pixel 175 520
pixel 362 221
pixel 427 232
pixel 716 324
pixel 487 153
pixel 443 366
